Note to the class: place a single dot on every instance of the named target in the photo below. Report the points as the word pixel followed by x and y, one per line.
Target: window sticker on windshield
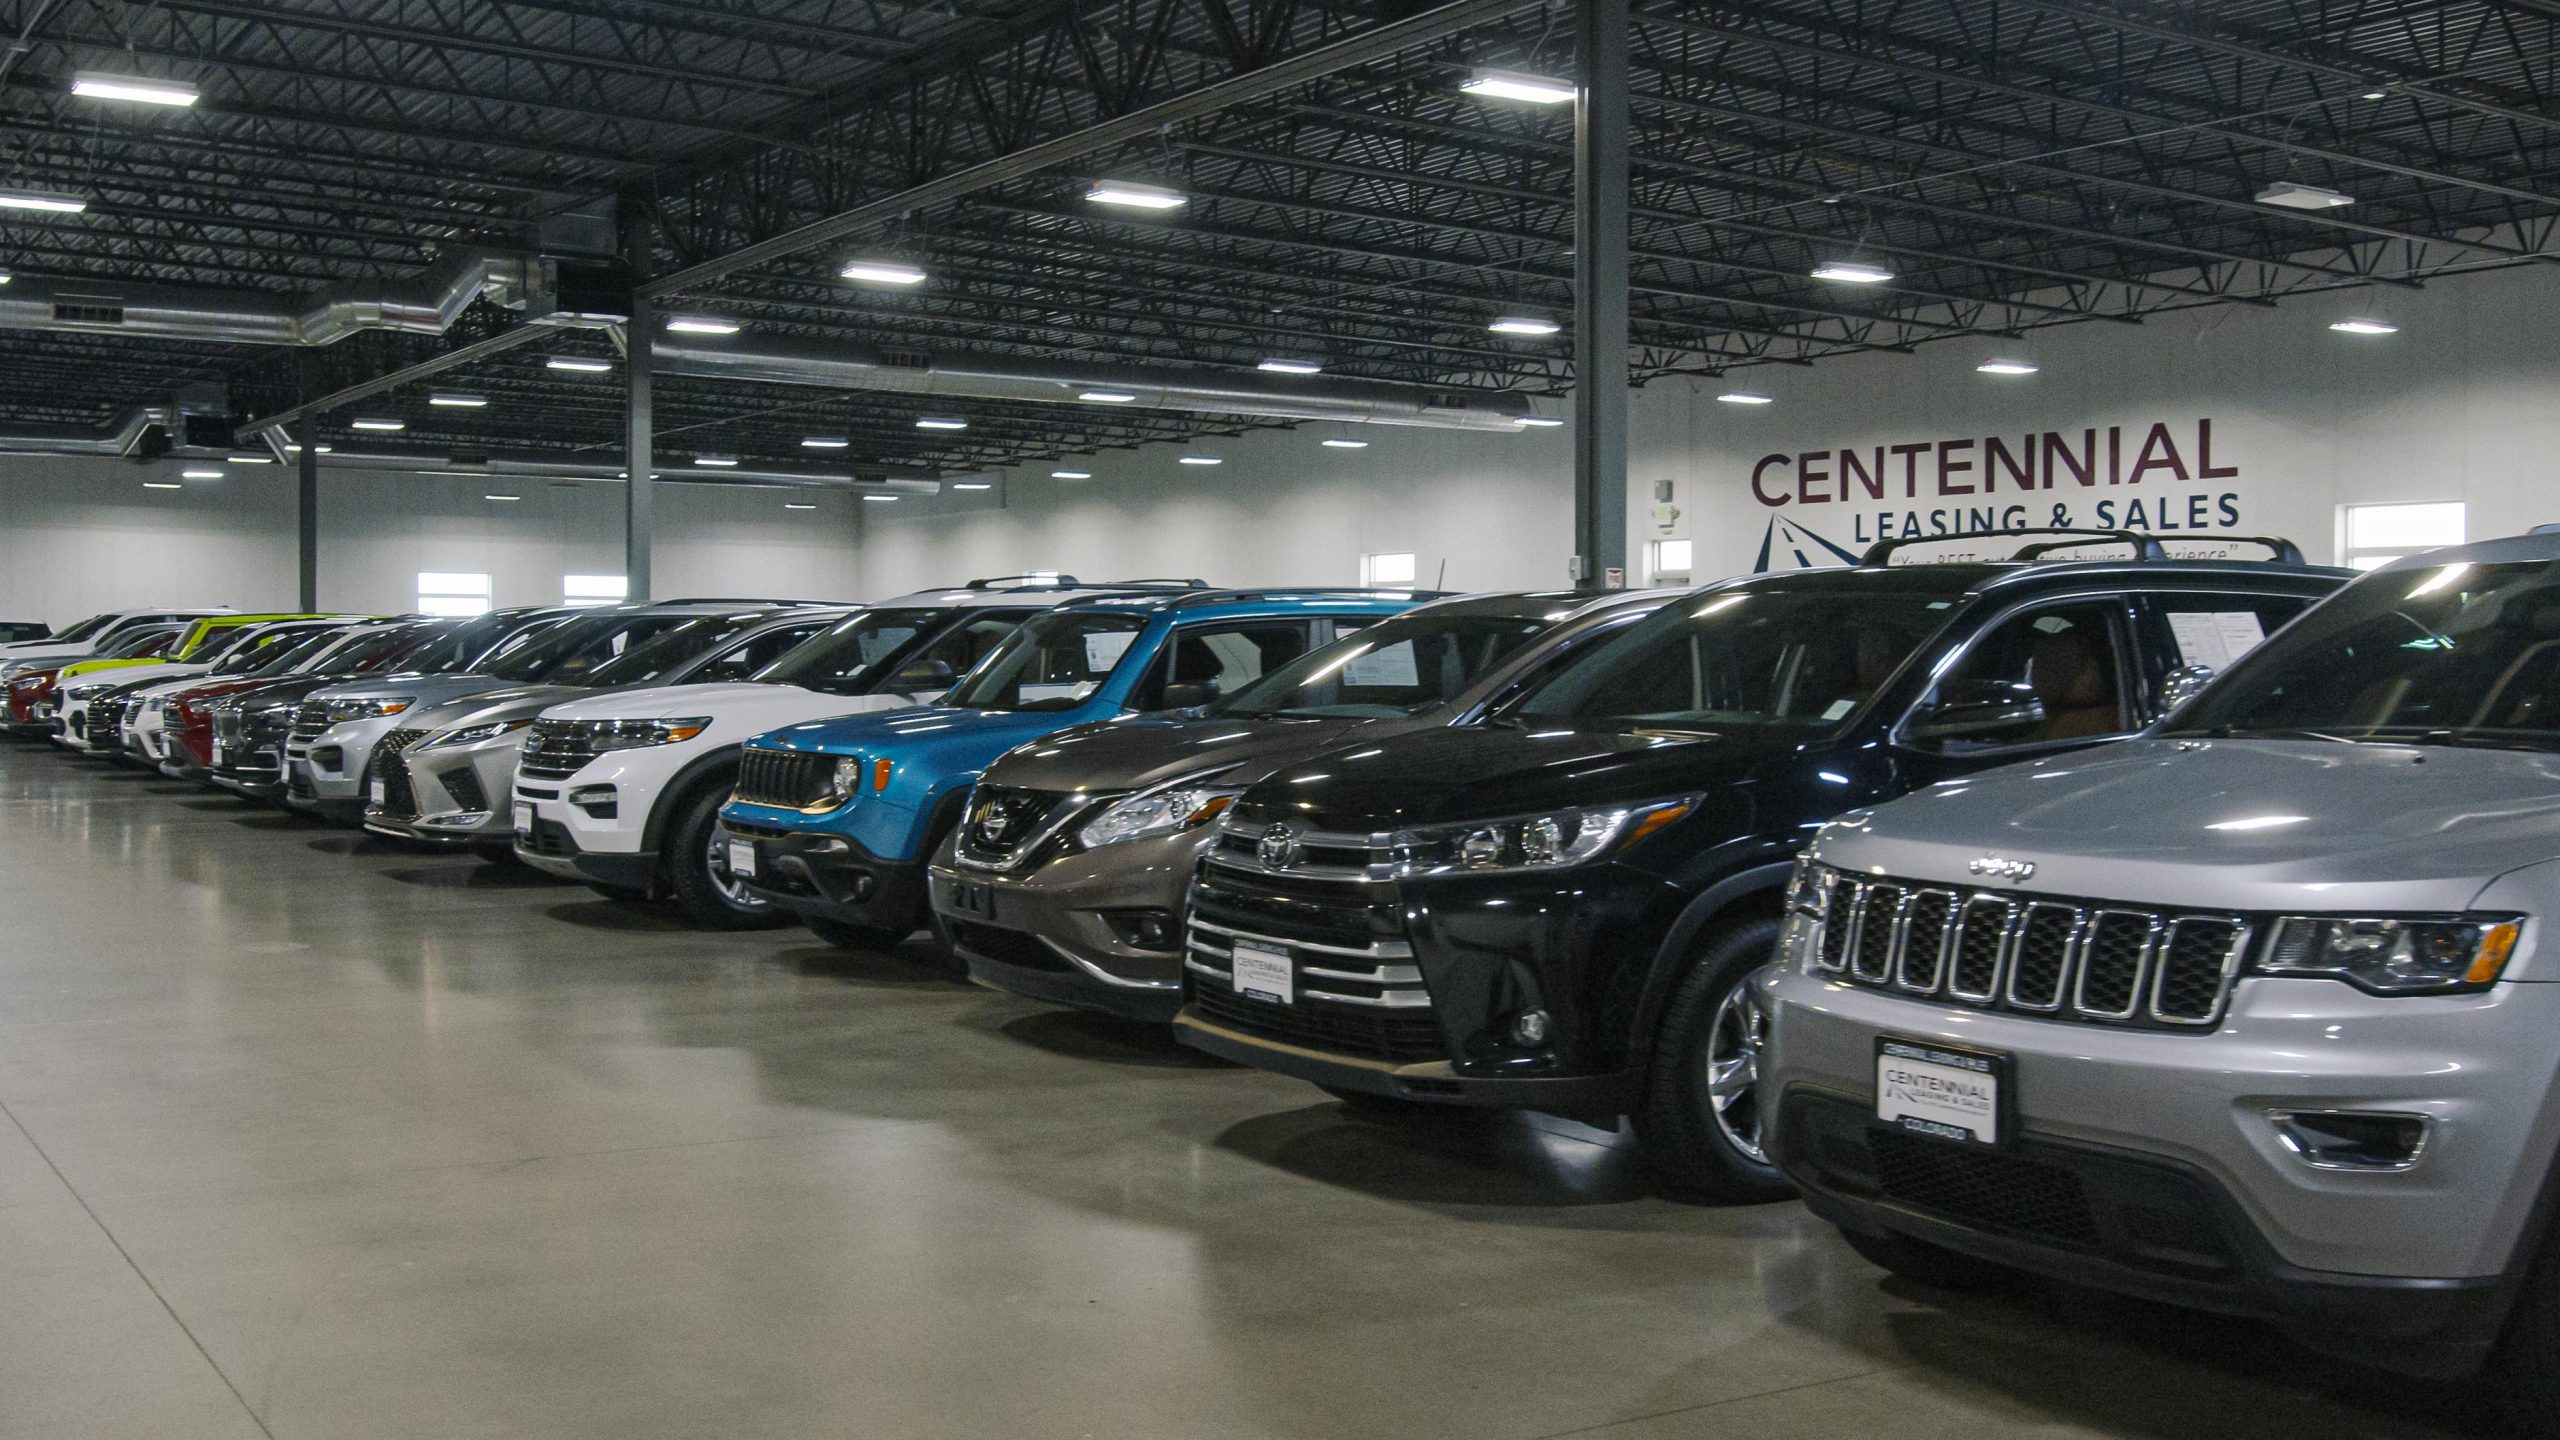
pixel 1838 708
pixel 879 645
pixel 2215 638
pixel 1393 666
pixel 1103 649
pixel 2052 624
pixel 1076 690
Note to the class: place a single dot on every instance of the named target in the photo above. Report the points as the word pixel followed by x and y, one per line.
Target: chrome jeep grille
pixel 2083 960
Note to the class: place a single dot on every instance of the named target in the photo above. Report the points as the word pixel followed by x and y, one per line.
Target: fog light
pixel 601 802
pixel 2352 1139
pixel 1141 929
pixel 1530 1027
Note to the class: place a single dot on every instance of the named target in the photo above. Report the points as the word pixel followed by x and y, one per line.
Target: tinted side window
pixel 750 656
pixel 964 645
pixel 2070 655
pixel 1228 658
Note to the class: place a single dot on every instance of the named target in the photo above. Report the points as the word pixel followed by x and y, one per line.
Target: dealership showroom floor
pixel 313 1137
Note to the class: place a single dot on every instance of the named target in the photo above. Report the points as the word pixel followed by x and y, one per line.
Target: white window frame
pixel 1381 569
pixel 458 593
pixel 1658 556
pixel 2374 555
pixel 586 591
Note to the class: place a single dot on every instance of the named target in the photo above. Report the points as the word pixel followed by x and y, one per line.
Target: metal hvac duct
pixel 116 437
pixel 426 303
pixel 525 466
pixel 850 367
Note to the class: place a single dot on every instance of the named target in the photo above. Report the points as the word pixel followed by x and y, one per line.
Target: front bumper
pixel 455 796
pixel 832 877
pixel 1411 988
pixel 2148 1162
pixel 1048 931
pixel 550 838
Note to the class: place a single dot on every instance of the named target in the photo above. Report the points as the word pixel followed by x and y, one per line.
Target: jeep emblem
pixel 1278 849
pixel 1997 868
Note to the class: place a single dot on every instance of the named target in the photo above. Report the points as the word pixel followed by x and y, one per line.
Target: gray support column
pixel 1600 203
pixel 639 514
pixel 307 524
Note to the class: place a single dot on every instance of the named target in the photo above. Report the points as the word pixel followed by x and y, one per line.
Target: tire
pixel 1700 1119
pixel 2521 1371
pixel 1922 1263
pixel 855 937
pixel 700 887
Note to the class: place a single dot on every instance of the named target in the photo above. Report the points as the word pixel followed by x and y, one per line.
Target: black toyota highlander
pixel 1554 909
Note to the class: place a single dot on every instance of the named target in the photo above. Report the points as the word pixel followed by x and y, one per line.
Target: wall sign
pixel 2161 478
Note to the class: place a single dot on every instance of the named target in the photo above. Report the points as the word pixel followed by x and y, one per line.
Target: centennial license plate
pixel 1262 973
pixel 1945 1091
pixel 742 858
pixel 521 817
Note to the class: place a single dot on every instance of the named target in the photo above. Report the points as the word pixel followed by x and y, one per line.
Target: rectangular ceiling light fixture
pixel 99 85
pixel 49 201
pixel 1517 85
pixel 2303 197
pixel 882 272
pixel 1135 195
pixel 578 364
pixel 702 325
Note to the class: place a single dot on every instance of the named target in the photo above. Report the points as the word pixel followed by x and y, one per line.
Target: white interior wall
pixel 2459 405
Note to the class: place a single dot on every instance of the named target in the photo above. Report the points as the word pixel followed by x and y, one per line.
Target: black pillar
pixel 306 432
pixel 639 514
pixel 1600 294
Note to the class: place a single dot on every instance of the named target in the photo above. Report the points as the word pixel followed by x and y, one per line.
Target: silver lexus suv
pixel 2249 1013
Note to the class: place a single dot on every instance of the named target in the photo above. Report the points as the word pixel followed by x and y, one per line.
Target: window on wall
pixel 452 592
pixel 2372 536
pixel 594 589
pixel 1393 568
pixel 1668 562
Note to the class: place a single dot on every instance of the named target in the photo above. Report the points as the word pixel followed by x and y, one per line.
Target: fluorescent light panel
pixel 51 202
pixel 1346 444
pixel 1538 422
pixel 451 401
pixel 883 498
pixel 578 364
pixel 1743 397
pixel 882 272
pixel 1136 195
pixel 971 485
pixel 1518 85
pixel 1281 365
pixel 2003 365
pixel 825 442
pixel 100 85
pixel 1203 460
pixel 1107 397
pixel 162 485
pixel 2364 325
pixel 495 496
pixel 378 423
pixel 717 462
pixel 702 325
pixel 248 459
pixel 1070 474
pixel 2293 196
pixel 1524 325
pixel 798 505
pixel 199 474
pixel 941 422
pixel 1851 272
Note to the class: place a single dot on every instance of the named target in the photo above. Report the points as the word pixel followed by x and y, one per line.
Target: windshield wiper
pixel 2278 732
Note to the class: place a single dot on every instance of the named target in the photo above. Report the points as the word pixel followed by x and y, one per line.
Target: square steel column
pixel 639 511
pixel 306 533
pixel 1600 203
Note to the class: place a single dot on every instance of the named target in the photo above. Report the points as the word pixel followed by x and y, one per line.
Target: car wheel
pixel 855 937
pixel 698 875
pixel 1700 1118
pixel 1935 1266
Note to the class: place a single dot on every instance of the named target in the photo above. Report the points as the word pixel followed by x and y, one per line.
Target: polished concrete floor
pixel 310 1136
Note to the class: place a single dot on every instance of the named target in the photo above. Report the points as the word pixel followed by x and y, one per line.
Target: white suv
pixel 624 791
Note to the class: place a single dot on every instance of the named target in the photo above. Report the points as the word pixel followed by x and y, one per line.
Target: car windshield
pixel 1402 666
pixel 85 628
pixel 221 642
pixel 851 658
pixel 2460 654
pixel 142 642
pixel 458 645
pixel 1052 663
pixel 276 656
pixel 1770 659
pixel 571 653
pixel 643 663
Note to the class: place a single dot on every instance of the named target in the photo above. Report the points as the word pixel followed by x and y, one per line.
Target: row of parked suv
pixel 2112 919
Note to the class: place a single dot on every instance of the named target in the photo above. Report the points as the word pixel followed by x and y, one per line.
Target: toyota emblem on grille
pixel 1278 848
pixel 1997 868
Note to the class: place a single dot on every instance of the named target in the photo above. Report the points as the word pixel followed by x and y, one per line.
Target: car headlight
pixel 843 783
pixel 2406 955
pixel 1552 841
pixel 638 734
pixel 1163 810
pixel 360 709
pixel 474 734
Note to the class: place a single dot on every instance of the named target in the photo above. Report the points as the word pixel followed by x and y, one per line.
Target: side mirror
pixel 1980 710
pixel 923 675
pixel 1190 693
pixel 2182 686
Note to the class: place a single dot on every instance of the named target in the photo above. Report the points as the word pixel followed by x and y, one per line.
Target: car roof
pixel 1551 605
pixel 1270 600
pixel 1965 577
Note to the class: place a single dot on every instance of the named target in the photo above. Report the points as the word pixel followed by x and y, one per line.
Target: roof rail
pixel 2145 547
pixel 1050 580
pixel 728 600
pixel 1284 592
pixel 1175 582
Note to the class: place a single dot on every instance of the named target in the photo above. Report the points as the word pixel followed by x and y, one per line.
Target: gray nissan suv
pixel 2249 1013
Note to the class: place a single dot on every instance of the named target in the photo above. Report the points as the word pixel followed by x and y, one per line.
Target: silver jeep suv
pixel 2249 1013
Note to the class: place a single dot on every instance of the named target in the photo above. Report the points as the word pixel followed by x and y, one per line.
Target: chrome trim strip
pixel 2071 938
pixel 1105 976
pixel 1380 950
pixel 1946 937
pixel 2156 929
pixel 2008 911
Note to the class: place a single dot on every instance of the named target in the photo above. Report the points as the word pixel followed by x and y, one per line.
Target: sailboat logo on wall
pixel 1785 539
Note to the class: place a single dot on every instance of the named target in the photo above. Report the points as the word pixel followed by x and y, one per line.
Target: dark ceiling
pixel 2015 163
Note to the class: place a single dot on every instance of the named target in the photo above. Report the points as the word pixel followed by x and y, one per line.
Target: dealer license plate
pixel 1944 1091
pixel 521 816
pixel 381 792
pixel 1262 973
pixel 742 858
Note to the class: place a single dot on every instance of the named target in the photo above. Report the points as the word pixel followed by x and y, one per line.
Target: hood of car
pixel 1132 753
pixel 519 702
pixel 422 690
pixel 940 737
pixel 106 674
pixel 1479 772
pixel 2249 825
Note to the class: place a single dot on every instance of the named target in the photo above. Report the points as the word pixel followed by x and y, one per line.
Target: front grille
pixel 1994 1191
pixel 1358 990
pixel 548 838
pixel 1003 825
pixel 308 722
pixel 391 767
pixel 463 784
pixel 557 749
pixel 2080 960
pixel 791 779
pixel 107 719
